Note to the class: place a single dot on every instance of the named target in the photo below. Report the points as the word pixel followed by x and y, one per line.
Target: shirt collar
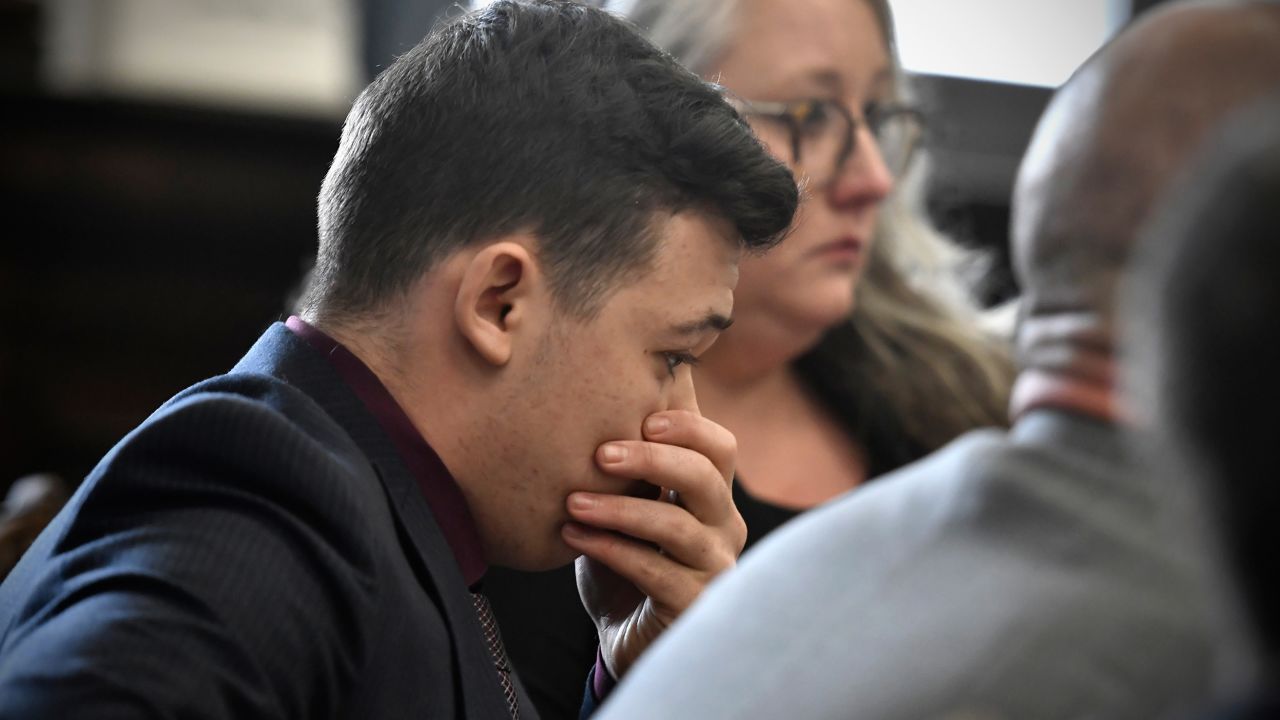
pixel 438 486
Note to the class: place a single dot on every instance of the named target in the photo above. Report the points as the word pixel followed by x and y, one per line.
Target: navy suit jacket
pixel 256 548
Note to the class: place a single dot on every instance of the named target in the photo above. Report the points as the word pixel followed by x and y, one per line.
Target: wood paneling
pixel 145 247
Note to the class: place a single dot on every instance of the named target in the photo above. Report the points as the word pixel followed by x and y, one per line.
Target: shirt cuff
pixel 602 682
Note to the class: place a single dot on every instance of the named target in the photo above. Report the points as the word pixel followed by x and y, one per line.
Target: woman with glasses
pixel 854 349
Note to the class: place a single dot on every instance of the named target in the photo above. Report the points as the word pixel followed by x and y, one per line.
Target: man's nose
pixel 683 395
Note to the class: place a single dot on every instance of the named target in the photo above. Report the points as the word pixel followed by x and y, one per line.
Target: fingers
pixel 701 488
pixel 690 430
pixel 679 534
pixel 696 539
pixel 670 586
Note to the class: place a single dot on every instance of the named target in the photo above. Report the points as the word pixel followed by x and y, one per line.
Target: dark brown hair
pixel 539 116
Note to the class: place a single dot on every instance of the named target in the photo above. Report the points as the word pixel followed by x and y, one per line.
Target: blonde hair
pixel 918 340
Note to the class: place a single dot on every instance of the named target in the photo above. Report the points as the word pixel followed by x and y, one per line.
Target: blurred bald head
pixel 1107 148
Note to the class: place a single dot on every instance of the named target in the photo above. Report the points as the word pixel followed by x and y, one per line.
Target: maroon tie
pixel 489 624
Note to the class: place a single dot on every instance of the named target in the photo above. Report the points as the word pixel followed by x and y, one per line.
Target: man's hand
pixel 646 560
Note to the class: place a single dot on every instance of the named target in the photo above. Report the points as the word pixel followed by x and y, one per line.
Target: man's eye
pixel 676 359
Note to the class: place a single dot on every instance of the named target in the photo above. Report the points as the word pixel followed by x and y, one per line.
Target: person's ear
pixel 499 286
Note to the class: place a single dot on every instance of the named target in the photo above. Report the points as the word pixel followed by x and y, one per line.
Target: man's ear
pixel 499 286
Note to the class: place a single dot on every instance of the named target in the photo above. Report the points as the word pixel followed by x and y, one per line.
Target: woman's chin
pixel 825 309
pixel 817 320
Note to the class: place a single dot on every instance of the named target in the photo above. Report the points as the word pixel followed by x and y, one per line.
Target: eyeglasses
pixel 824 134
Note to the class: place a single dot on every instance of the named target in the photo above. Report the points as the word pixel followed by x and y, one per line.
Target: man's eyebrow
pixel 713 321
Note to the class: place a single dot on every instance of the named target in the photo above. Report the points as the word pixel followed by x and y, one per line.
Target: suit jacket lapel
pixel 283 355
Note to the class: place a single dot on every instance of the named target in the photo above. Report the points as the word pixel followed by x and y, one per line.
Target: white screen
pixel 1028 42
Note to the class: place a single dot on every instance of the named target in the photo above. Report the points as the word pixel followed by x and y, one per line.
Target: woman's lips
pixel 847 249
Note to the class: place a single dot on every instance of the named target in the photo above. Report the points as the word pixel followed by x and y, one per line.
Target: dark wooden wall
pixel 145 247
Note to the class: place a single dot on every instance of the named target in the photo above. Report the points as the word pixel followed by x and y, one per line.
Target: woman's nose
pixel 865 178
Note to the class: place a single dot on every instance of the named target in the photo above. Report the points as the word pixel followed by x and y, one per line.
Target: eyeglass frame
pixel 783 111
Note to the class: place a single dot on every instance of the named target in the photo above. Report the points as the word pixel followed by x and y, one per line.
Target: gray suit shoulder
pixel 1004 576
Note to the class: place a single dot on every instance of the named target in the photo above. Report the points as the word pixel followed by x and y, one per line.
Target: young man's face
pixel 585 382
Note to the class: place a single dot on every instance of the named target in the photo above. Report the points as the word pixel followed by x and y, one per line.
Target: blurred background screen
pixel 1010 41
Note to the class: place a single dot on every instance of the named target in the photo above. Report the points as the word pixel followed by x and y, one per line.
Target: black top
pixel 762 517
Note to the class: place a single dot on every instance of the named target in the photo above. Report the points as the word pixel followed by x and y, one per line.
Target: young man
pixel 529 230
